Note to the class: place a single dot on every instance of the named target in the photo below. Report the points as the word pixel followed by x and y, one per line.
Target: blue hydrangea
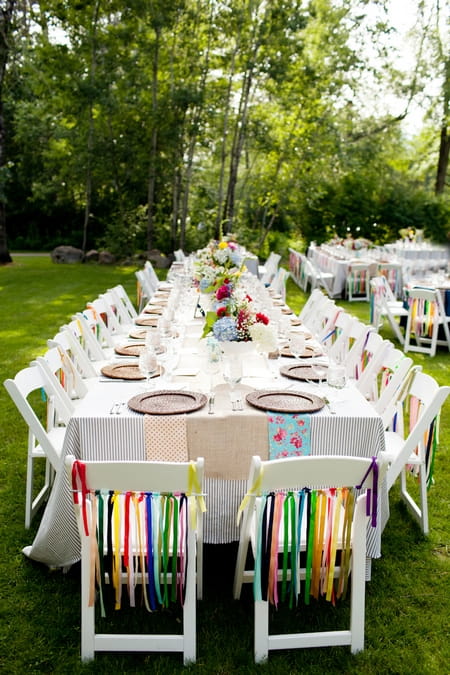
pixel 224 329
pixel 204 284
pixel 236 258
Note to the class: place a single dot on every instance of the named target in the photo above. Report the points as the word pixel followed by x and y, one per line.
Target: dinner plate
pixel 295 321
pixel 130 350
pixel 144 321
pixel 140 334
pixel 285 401
pixel 167 402
pixel 308 352
pixel 125 371
pixel 302 372
pixel 153 309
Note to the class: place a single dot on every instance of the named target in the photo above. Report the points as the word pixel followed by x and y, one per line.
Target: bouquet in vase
pixel 234 318
pixel 218 263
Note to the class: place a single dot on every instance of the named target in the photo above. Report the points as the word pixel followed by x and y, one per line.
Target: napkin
pixel 289 434
pixel 165 438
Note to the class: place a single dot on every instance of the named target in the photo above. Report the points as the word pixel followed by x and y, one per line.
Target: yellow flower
pixel 223 244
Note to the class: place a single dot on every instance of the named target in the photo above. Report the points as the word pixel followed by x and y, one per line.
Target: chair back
pixel 358 281
pixel 308 534
pixel 270 267
pixel 151 275
pixel 62 376
pixel 69 344
pixel 25 382
pixel 146 534
pixel 424 399
pixel 125 307
pixel 426 314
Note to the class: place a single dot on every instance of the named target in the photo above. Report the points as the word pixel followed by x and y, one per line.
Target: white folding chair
pixel 393 275
pixel 318 278
pixel 389 381
pixel 151 275
pixel 125 308
pixel 383 305
pixel 357 281
pixel 62 376
pixel 337 343
pixel 415 453
pixel 270 268
pixel 95 334
pixel 144 289
pixel 314 299
pixel 305 536
pixel 426 315
pixel 153 538
pixel 69 343
pixel 375 352
pixel 45 439
pixel 278 283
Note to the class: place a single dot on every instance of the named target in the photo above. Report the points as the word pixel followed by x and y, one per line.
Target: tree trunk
pixel 444 146
pixel 6 16
pixel 153 146
pixel 90 140
pixel 444 149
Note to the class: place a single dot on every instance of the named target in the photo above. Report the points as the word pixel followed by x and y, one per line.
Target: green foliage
pixel 206 113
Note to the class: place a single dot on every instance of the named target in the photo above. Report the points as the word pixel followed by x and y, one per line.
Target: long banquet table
pixel 226 439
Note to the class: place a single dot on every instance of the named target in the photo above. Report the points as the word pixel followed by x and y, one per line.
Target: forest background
pixel 163 123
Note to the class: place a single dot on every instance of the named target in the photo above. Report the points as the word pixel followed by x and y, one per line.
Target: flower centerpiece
pixel 216 264
pixel 234 318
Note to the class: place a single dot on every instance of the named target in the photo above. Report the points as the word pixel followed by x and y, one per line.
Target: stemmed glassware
pixel 297 344
pixel 148 366
pixel 232 372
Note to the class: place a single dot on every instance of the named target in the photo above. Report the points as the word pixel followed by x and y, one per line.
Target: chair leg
pixel 87 613
pixel 240 567
pixel 261 640
pixel 419 513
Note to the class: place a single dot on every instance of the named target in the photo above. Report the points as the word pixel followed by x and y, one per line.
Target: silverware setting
pixel 117 408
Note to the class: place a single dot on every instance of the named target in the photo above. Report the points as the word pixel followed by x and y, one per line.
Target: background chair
pixel 426 315
pixel 279 476
pixel 71 348
pixel 163 480
pixel 423 401
pixel 125 308
pixel 383 305
pixel 278 283
pixel 270 268
pixel 45 438
pixel 357 282
pixel 317 278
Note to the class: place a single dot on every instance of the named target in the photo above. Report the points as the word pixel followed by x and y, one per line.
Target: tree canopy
pixel 161 124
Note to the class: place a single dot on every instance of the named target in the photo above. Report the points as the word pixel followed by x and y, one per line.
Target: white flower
pixel 264 337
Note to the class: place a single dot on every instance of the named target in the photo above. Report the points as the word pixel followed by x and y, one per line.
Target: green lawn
pixel 408 598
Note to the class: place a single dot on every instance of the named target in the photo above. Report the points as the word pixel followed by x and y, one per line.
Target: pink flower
pixel 262 318
pixel 223 292
pixel 296 441
pixel 280 435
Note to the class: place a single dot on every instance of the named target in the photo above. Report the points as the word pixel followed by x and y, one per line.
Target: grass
pixel 408 599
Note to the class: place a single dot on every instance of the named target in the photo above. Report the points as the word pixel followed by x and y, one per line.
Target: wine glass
pixel 297 344
pixel 148 366
pixel 321 372
pixel 232 372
